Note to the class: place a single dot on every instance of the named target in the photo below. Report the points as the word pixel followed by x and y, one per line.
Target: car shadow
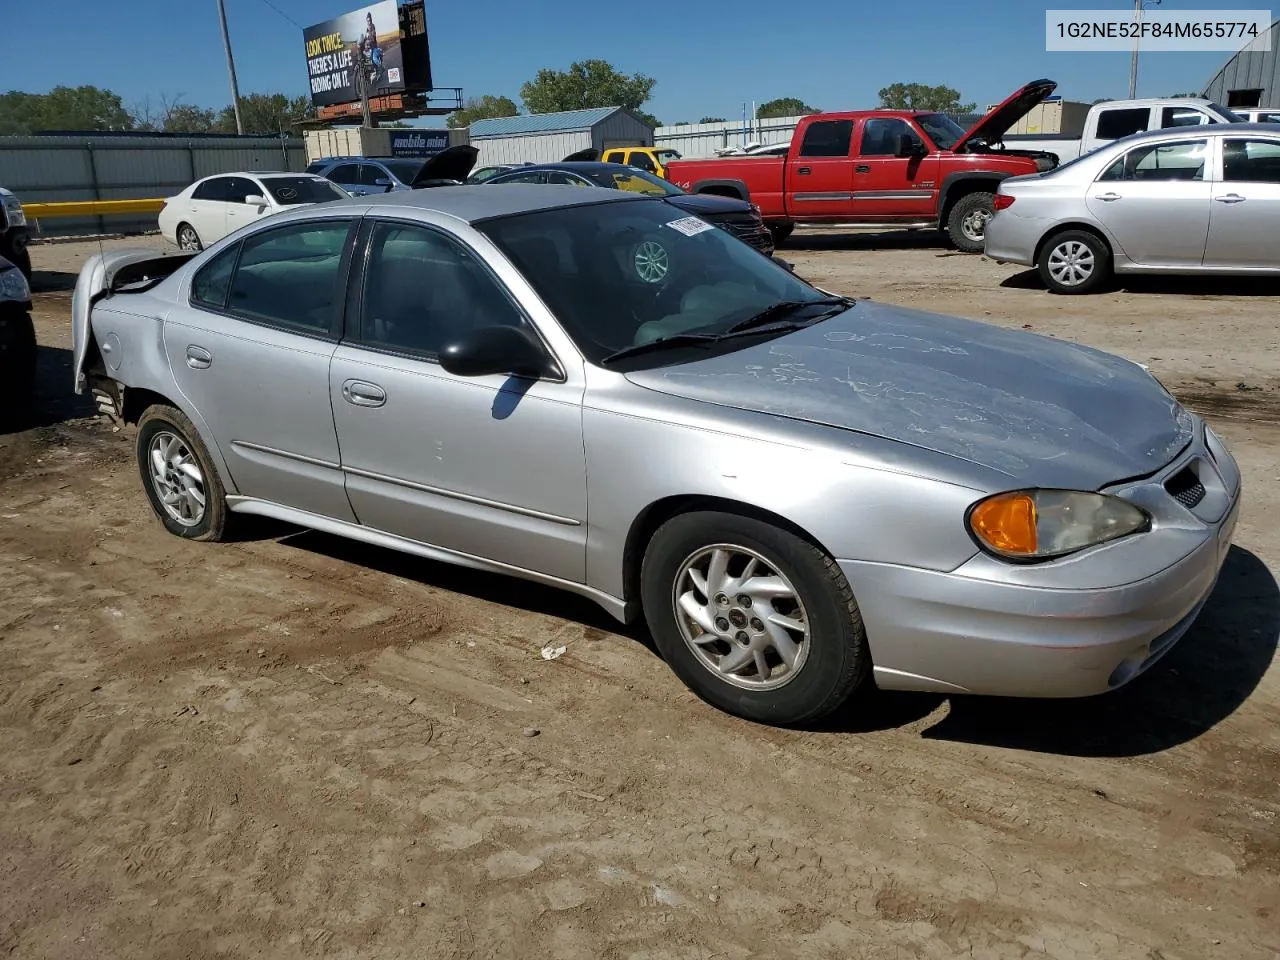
pixel 1203 680
pixel 1184 285
pixel 491 587
pixel 53 402
pixel 923 239
pixel 52 281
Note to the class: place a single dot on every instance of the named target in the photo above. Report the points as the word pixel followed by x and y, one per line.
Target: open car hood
pixel 590 154
pixel 452 163
pixel 997 122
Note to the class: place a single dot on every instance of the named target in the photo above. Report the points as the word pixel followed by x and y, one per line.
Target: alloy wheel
pixel 741 617
pixel 176 478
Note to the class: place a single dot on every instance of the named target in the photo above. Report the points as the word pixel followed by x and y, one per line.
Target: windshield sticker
pixel 690 226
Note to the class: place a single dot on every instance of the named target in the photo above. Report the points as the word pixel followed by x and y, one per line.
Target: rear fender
pixel 103 275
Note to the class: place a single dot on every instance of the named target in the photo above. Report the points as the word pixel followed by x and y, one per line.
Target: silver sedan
pixel 799 492
pixel 1185 200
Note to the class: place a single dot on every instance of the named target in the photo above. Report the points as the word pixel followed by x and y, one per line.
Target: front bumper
pixel 959 633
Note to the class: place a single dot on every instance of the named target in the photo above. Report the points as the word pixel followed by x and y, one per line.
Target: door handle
pixel 1107 197
pixel 198 358
pixel 361 393
pixel 802 171
pixel 862 168
pixel 1230 198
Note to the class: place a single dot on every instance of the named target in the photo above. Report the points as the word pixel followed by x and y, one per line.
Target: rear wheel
pixel 1074 261
pixel 179 477
pixel 754 619
pixel 967 222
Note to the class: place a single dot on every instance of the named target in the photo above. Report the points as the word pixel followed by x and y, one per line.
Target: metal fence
pixel 59 168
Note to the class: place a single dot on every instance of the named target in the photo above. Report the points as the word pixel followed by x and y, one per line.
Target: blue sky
pixel 708 56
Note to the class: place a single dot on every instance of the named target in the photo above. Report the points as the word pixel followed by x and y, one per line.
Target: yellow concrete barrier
pixel 90 208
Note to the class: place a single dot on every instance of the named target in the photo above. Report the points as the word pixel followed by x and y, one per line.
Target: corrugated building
pixel 1251 78
pixel 548 137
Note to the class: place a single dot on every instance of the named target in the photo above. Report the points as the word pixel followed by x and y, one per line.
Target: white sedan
pixel 211 208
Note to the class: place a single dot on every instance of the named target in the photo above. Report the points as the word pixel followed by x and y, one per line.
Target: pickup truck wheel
pixel 180 480
pixel 967 223
pixel 754 619
pixel 1074 261
pixel 780 232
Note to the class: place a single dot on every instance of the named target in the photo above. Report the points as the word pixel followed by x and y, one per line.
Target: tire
pixel 1065 255
pixel 780 232
pixel 830 654
pixel 188 239
pixel 967 222
pixel 22 260
pixel 18 353
pixel 164 429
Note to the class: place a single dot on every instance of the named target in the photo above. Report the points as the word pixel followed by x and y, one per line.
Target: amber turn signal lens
pixel 1007 524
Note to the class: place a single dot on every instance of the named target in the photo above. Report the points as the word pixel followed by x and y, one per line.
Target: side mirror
pixel 908 146
pixel 382 182
pixel 496 349
pixel 256 200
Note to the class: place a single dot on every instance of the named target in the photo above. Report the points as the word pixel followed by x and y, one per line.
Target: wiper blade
pixel 783 307
pixel 662 343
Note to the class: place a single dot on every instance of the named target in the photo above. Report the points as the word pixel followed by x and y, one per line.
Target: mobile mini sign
pixel 369 42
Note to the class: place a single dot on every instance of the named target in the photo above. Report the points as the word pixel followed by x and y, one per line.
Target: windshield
pixel 635 180
pixel 404 170
pixel 1229 115
pixel 623 273
pixel 942 130
pixel 288 191
pixel 665 156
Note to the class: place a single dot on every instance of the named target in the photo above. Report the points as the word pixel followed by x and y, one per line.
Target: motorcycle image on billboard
pixel 364 41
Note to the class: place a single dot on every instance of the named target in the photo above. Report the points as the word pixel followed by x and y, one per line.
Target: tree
pixel 63 108
pixel 482 108
pixel 171 115
pixel 785 107
pixel 921 96
pixel 587 83
pixel 1103 100
pixel 712 120
pixel 1174 96
pixel 265 113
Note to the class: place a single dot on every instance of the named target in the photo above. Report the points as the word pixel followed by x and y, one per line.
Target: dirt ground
pixel 294 746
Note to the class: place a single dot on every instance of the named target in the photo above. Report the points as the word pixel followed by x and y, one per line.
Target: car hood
pixel 706 204
pixel 452 163
pixel 996 123
pixel 590 154
pixel 1044 412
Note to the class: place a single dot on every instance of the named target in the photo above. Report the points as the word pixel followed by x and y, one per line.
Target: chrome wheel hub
pixel 176 478
pixel 1071 263
pixel 974 225
pixel 651 261
pixel 187 240
pixel 741 617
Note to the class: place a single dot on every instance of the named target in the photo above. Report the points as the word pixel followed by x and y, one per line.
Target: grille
pixel 752 231
pixel 1185 487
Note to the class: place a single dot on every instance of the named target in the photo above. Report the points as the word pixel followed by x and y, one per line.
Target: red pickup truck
pixel 884 168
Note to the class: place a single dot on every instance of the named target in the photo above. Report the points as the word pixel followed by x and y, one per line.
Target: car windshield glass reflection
pixel 623 274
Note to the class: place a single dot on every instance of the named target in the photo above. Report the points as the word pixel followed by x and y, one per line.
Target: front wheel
pixel 780 232
pixel 967 222
pixel 1074 261
pixel 179 477
pixel 752 618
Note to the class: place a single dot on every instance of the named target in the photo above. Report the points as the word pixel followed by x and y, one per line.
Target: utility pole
pixel 1133 63
pixel 231 68
pixel 362 81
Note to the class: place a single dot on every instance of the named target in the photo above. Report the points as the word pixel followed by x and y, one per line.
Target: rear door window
pixel 827 138
pixel 1114 124
pixel 642 160
pixel 214 189
pixel 1183 117
pixel 613 156
pixel 347 174
pixel 1251 161
pixel 238 188
pixel 1184 160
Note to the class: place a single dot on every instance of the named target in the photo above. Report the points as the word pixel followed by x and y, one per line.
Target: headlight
pixel 13 286
pixel 1041 524
pixel 13 208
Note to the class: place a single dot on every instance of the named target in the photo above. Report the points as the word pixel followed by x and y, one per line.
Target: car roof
pixel 579 166
pixel 1200 130
pixel 481 202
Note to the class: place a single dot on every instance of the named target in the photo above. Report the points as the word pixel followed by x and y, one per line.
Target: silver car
pixel 1186 200
pixel 594 390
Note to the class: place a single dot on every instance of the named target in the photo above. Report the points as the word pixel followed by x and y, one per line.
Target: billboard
pixel 367 42
pixel 418 143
